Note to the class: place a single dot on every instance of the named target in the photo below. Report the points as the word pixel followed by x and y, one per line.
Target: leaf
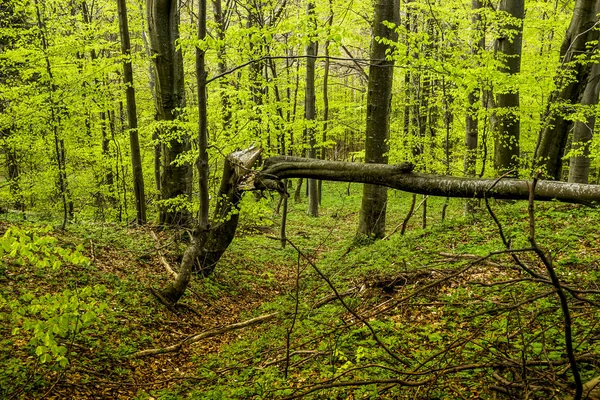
pixel 41 350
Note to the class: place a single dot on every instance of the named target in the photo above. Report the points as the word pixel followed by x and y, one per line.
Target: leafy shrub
pixel 43 324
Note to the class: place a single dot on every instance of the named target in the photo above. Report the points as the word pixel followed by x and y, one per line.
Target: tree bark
pixel 570 82
pixel 379 98
pixel 202 162
pixel 579 165
pixel 310 110
pixel 507 147
pixel 325 95
pixel 134 142
pixel 208 245
pixel 401 177
pixel 163 27
pixel 221 22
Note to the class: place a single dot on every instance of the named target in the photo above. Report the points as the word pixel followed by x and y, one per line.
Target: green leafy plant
pixel 51 319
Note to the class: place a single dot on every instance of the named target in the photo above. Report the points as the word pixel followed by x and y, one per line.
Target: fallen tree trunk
pixel 208 246
pixel 401 177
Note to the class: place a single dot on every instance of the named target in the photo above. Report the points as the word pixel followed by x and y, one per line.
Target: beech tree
pixel 507 143
pixel 571 81
pixel 163 27
pixel 134 142
pixel 379 97
pixel 309 109
pixel 583 131
pixel 207 246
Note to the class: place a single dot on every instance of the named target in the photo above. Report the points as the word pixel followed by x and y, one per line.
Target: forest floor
pixel 431 314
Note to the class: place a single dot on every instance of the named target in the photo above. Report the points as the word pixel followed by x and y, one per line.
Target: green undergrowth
pixel 462 321
pixel 428 314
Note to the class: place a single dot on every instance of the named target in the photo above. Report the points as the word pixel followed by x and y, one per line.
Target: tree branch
pixel 204 335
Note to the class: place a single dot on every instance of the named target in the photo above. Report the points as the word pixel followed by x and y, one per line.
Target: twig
pixel 329 299
pixel 310 353
pixel 496 310
pixel 205 335
pixel 444 279
pixel 506 242
pixel 472 257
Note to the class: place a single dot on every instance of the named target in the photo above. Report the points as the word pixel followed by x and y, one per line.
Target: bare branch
pixel 204 335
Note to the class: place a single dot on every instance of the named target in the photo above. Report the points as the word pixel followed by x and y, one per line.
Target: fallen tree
pixel 208 245
pixel 402 177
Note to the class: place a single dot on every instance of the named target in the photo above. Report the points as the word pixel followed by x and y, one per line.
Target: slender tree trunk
pixel 152 87
pixel 134 142
pixel 12 167
pixel 54 119
pixel 472 121
pixel 221 22
pixel 109 178
pixel 579 165
pixel 325 96
pixel 379 97
pixel 571 81
pixel 163 26
pixel 507 140
pixel 310 111
pixel 202 163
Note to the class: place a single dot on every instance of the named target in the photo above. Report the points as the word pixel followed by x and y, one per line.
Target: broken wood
pixel 209 243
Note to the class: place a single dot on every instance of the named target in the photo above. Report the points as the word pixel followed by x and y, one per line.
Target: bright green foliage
pixel 254 99
pixel 51 320
pixel 35 248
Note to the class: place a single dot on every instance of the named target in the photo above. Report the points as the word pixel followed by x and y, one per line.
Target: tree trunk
pixel 208 245
pixel 163 27
pixel 473 98
pixel 221 61
pixel 134 142
pixel 399 176
pixel 507 142
pixel 325 95
pixel 379 97
pixel 579 165
pixel 570 82
pixel 152 87
pixel 310 112
pixel 202 163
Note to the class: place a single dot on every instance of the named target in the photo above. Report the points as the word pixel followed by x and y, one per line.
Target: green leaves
pixel 33 247
pixel 49 320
